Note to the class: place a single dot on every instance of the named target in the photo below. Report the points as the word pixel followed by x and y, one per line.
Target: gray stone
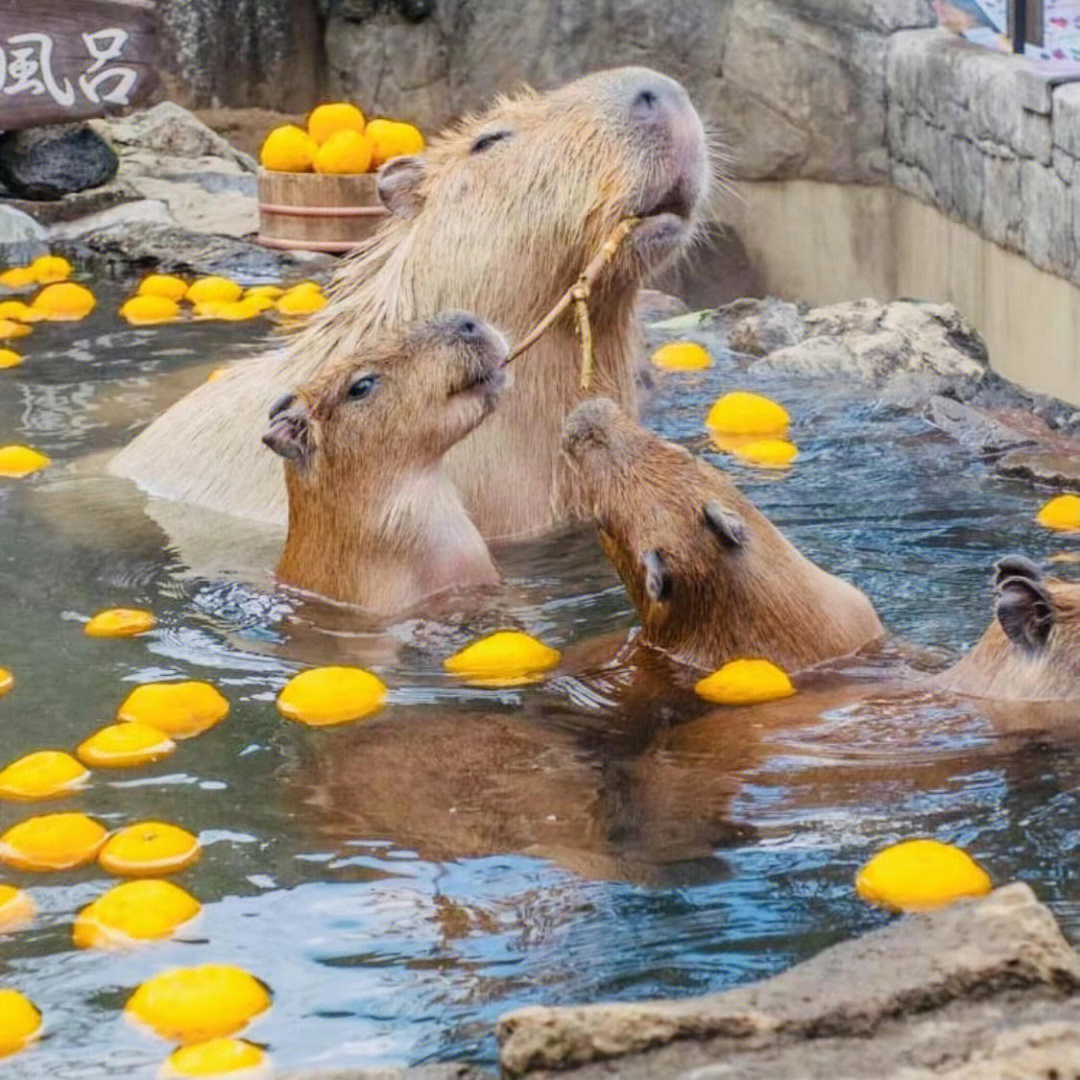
pixel 768 325
pixel 1033 136
pixel 973 428
pixel 22 239
pixel 448 1071
pixel 78 204
pixel 172 249
pixel 1057 467
pixel 139 213
pixel 1065 119
pixel 50 162
pixel 904 976
pixel 1047 218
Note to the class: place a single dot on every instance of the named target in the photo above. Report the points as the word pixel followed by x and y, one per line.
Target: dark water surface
pixel 401 882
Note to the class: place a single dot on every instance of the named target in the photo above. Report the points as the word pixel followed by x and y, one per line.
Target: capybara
pixel 1031 650
pixel 711 577
pixel 373 520
pixel 499 216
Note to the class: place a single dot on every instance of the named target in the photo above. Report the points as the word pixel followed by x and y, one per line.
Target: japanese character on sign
pixel 105 46
pixel 30 68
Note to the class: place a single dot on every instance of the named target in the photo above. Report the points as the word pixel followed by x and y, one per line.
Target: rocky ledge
pixel 976 991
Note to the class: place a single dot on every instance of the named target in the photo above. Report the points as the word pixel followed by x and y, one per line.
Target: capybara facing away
pixel 499 216
pixel 373 519
pixel 1031 650
pixel 712 578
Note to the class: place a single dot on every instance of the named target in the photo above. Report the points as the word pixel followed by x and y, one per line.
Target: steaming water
pixel 401 882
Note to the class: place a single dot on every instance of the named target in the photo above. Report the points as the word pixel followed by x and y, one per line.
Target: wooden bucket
pixel 316 211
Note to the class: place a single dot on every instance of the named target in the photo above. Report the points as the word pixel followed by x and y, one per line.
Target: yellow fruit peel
pixel 505 658
pixel 147 849
pixel 1061 513
pixel 180 709
pixel 52 842
pixel 64 302
pixel 288 149
pixel 681 356
pixel 20 1021
pixel 745 413
pixel 745 682
pixel 917 875
pixel 133 912
pixel 331 695
pixel 217 1057
pixel 18 461
pixel 333 118
pixel 768 453
pixel 17 909
pixel 120 622
pixel 124 745
pixel 44 774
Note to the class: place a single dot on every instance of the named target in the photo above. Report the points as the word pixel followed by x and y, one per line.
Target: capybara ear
pixel 398 184
pixel 727 525
pixel 1024 607
pixel 289 434
pixel 657 578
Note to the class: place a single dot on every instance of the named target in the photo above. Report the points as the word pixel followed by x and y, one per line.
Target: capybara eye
pixel 490 139
pixel 363 386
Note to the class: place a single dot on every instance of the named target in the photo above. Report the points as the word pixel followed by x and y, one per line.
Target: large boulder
pixel 50 162
pixel 22 239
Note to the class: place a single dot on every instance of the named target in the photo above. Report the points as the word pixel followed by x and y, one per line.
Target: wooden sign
pixel 69 59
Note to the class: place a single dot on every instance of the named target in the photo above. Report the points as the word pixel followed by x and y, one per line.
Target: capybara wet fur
pixel 499 216
pixel 712 578
pixel 373 519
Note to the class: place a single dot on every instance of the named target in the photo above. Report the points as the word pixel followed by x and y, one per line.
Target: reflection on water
pixel 401 882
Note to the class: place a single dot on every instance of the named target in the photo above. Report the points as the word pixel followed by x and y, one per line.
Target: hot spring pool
pixel 400 882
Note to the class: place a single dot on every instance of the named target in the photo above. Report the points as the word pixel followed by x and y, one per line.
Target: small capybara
pixel 1031 650
pixel 711 577
pixel 373 519
pixel 499 216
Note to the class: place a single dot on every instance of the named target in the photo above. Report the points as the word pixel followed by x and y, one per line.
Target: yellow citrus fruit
pixel 743 413
pixel 20 1021
pixel 331 695
pixel 344 152
pixel 42 775
pixel 64 301
pixel 300 301
pixel 258 303
pixel 149 848
pixel 17 310
pixel 392 138
pixel 9 328
pixel 240 310
pixel 270 292
pixel 288 149
pixel 120 622
pixel 215 1057
pixel 769 453
pixel 133 911
pixel 180 709
pixel 213 288
pixel 505 658
pixel 217 373
pixel 326 121
pixel 917 875
pixel 745 682
pixel 209 309
pixel 52 842
pixel 18 277
pixel 7 681
pixel 144 310
pixel 1062 512
pixel 49 268
pixel 18 461
pixel 681 356
pixel 9 358
pixel 16 909
pixel 193 1004
pixel 120 746
pixel 172 288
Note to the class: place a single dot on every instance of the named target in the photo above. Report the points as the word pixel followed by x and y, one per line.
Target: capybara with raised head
pixel 499 216
pixel 1031 650
pixel 373 519
pixel 711 577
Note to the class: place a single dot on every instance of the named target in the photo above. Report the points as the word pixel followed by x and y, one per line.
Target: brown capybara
pixel 1031 651
pixel 712 578
pixel 373 519
pixel 499 216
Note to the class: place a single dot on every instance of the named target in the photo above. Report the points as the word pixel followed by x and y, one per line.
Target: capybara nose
pixel 654 99
pixel 467 327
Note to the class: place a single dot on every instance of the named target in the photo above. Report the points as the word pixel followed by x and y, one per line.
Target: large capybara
pixel 1031 650
pixel 499 216
pixel 373 519
pixel 712 578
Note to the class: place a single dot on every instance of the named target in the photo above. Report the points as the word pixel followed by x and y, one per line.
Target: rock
pixel 655 306
pixel 757 327
pixel 974 428
pixel 140 212
pixel 50 162
pixel 874 342
pixel 1054 466
pixel 172 249
pixel 448 1071
pixel 928 986
pixel 22 239
pixel 78 204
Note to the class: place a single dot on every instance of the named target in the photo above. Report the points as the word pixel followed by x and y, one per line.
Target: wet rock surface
pixel 21 237
pixel 51 162
pixel 448 1071
pixel 980 985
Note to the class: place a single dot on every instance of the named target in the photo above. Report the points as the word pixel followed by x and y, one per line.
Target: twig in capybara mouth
pixel 578 294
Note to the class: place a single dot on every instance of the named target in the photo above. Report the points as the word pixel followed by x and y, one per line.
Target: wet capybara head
pixel 712 578
pixel 499 216
pixel 1031 651
pixel 373 521
pixel 403 401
